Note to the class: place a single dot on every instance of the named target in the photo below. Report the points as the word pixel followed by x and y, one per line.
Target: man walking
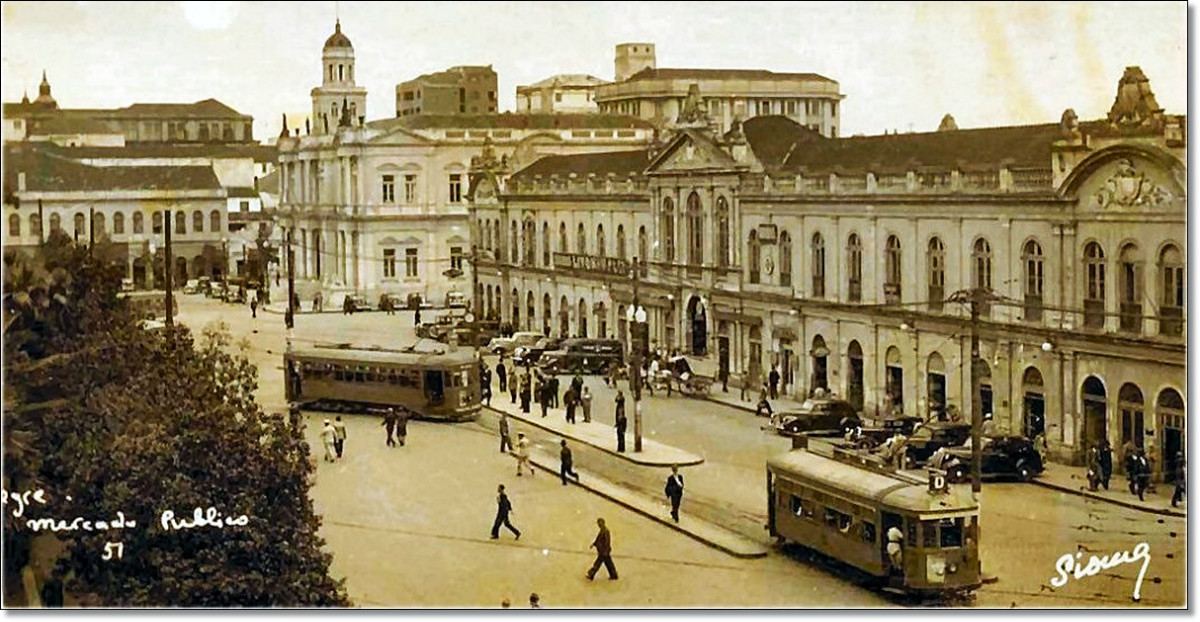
pixel 1180 480
pixel 402 425
pixel 1106 462
pixel 569 400
pixel 502 375
pixel 1141 477
pixel 339 439
pixel 566 465
pixel 523 455
pixel 621 422
pixel 505 439
pixel 603 546
pixel 586 401
pixel 553 386
pixel 389 421
pixel 674 491
pixel 503 510
pixel 773 378
pixel 328 434
pixel 512 386
pixel 253 305
pixel 417 317
pixel 526 392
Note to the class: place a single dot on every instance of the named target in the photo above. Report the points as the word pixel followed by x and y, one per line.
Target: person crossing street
pixel 505 438
pixel 523 455
pixel 503 511
pixel 566 467
pixel 328 434
pixel 603 546
pixel 339 439
pixel 674 491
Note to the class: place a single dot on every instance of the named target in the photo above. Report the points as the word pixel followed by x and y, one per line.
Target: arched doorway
pixel 140 274
pixel 723 353
pixel 181 272
pixel 622 328
pixel 1133 414
pixel 601 321
pixel 985 388
pixel 820 370
pixel 1034 418
pixel 200 266
pixel 546 314
pixel 564 318
pixel 491 307
pixel 936 385
pixel 1170 411
pixel 583 314
pixel 698 326
pixel 516 309
pixel 854 375
pixel 754 367
pixel 530 311
pixel 1095 410
pixel 893 382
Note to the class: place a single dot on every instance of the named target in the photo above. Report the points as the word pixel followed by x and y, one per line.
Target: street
pixel 409 526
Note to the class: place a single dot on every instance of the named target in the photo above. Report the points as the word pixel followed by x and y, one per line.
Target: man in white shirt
pixel 328 434
pixel 894 550
pixel 523 455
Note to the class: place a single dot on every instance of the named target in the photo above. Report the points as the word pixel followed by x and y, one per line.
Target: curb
pixel 1126 504
pixel 743 553
pixel 627 456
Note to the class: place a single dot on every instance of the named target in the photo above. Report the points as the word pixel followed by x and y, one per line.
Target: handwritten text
pixel 1070 565
pixel 202 518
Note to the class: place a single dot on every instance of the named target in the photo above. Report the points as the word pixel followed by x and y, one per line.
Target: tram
pixel 843 507
pixel 433 380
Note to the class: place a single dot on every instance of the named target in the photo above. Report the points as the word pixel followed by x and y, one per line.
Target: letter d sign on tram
pixel 937 480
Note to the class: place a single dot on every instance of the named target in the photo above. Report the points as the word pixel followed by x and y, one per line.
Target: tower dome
pixel 338 39
pixel 44 98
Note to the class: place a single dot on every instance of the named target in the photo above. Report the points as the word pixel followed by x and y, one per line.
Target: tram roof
pixel 883 489
pixel 423 352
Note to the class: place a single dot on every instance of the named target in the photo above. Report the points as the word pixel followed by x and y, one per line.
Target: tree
pixel 141 422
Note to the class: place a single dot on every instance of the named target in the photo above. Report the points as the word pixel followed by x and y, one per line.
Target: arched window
pixel 581 239
pixel 668 230
pixel 893 270
pixel 695 230
pixel 1034 280
pixel 80 221
pixel 214 222
pixel 529 228
pixel 785 259
pixel 983 270
pixel 56 222
pixel 564 318
pixel 818 265
pixel 643 246
pixel 752 249
pixel 180 223
pixel 530 311
pixel 1171 268
pixel 496 232
pixel 98 224
pixel 1093 295
pixel 139 223
pixel 622 253
pixel 487 234
pixel 854 267
pixel 936 267
pixel 516 304
pixel 582 319
pixel 1131 289
pixel 562 238
pixel 514 253
pixel 35 224
pixel 723 236
pixel 600 242
pixel 545 243
pixel 119 223
pixel 197 221
pixel 14 226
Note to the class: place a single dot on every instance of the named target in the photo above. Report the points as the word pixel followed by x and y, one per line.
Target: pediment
pixel 691 151
pixel 398 136
pixel 1129 179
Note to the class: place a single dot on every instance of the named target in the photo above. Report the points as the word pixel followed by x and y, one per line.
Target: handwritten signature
pixel 1069 566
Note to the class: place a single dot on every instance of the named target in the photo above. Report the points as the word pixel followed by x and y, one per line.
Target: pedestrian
pixel 674 491
pixel 1180 480
pixel 565 466
pixel 763 404
pixel 621 421
pixel 652 376
pixel 569 400
pixel 389 421
pixel 541 390
pixel 523 455
pixel 402 425
pixel 723 373
pixel 1129 457
pixel 339 440
pixel 417 317
pixel 1152 465
pixel 512 386
pixel 327 436
pixel 526 390
pixel 502 375
pixel 486 395
pixel 503 510
pixel 535 601
pixel 586 401
pixel 1141 474
pixel 505 438
pixel 554 392
pixel 1093 467
pixel 773 379
pixel 253 306
pixel 1106 462
pixel 603 546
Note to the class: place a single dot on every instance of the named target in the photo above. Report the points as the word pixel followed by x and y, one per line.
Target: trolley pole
pixel 167 266
pixel 635 361
pixel 976 399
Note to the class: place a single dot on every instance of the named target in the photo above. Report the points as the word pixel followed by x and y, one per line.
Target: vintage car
pixel 580 355
pixel 530 354
pixel 819 415
pixel 356 302
pixel 934 435
pixel 508 345
pixel 456 300
pixel 1001 456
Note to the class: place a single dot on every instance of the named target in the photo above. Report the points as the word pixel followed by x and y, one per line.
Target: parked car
pixel 531 354
pixel 1001 456
pixel 456 300
pixel 192 286
pixel 582 356
pixel 933 436
pixel 508 345
pixel 477 334
pixel 817 415
pixel 357 302
pixel 204 285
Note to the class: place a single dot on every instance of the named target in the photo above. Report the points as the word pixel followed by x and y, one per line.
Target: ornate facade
pixel 837 259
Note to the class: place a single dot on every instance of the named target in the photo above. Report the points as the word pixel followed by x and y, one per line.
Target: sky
pixel 900 65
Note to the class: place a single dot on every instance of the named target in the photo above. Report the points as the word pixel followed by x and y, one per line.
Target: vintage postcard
pixel 597 305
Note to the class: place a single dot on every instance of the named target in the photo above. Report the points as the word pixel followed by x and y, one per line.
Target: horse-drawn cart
pixel 684 377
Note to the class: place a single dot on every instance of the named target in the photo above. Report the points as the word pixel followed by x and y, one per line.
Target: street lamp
pixel 636 314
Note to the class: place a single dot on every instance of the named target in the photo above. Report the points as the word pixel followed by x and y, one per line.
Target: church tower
pixel 44 98
pixel 337 101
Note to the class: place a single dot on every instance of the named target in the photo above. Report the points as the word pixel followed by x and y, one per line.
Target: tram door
pixel 890 520
pixel 435 386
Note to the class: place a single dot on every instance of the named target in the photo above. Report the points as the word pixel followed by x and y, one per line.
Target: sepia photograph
pixel 595 305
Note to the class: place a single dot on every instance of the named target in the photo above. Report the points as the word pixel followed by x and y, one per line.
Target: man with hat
pixel 328 434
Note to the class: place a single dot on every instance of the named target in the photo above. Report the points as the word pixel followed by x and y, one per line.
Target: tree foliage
pixel 127 420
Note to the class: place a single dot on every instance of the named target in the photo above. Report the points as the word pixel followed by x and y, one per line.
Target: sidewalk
pixel 1073 480
pixel 704 532
pixel 598 435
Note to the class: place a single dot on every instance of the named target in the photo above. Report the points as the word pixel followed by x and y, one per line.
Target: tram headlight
pixel 951 568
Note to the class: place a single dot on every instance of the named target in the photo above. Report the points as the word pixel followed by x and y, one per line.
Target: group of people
pixel 531 383
pixel 1139 469
pixel 602 543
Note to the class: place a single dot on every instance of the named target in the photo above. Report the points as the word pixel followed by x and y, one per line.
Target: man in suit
pixel 674 491
pixel 503 510
pixel 567 467
pixel 505 439
pixel 622 422
pixel 502 375
pixel 603 546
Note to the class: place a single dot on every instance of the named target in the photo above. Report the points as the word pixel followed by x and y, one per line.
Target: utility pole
pixel 976 399
pixel 635 361
pixel 167 266
pixel 475 283
pixel 289 319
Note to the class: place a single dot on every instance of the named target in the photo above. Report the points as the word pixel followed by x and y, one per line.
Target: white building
pixel 571 93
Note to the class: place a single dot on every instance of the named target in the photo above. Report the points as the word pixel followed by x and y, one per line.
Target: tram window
pixel 837 519
pixel 868 532
pixel 912 532
pixel 466 378
pixel 952 532
pixel 797 506
pixel 929 537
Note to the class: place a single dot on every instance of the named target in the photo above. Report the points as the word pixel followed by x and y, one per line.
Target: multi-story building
pixel 841 261
pixel 338 101
pixel 569 93
pixel 643 90
pixel 458 90
pixel 380 207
